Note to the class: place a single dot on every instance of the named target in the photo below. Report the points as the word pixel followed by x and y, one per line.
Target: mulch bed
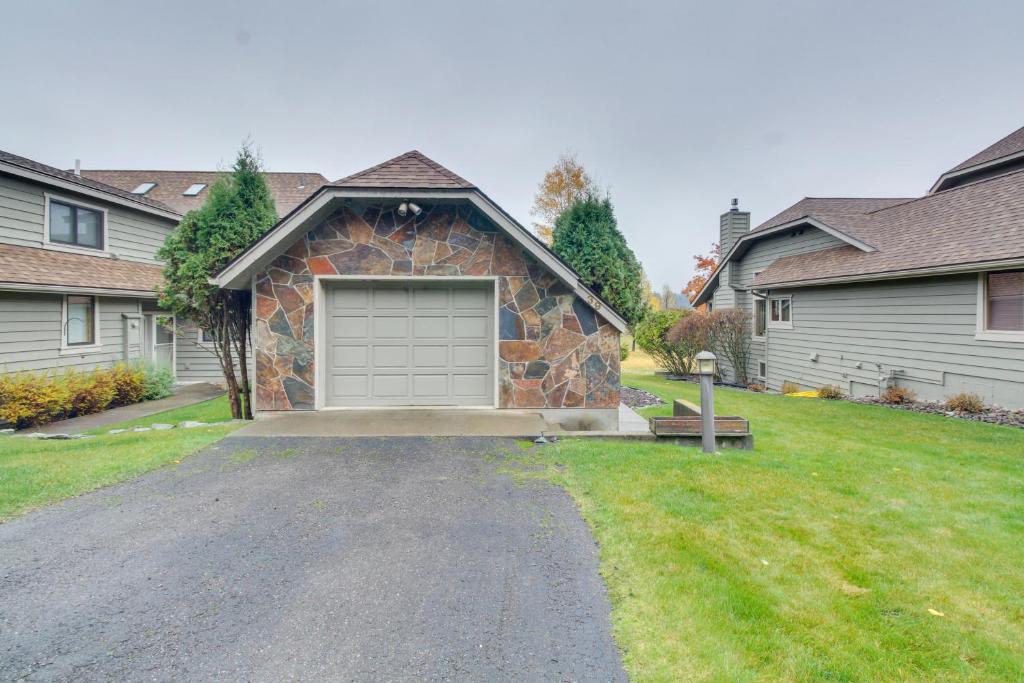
pixel 991 414
pixel 638 398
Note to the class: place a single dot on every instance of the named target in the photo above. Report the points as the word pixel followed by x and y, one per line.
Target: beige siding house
pixel 926 293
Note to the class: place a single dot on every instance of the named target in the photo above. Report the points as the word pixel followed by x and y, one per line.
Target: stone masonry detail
pixel 554 350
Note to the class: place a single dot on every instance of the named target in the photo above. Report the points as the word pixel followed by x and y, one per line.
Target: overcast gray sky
pixel 676 106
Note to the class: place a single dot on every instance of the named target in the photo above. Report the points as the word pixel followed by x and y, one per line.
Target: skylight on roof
pixel 143 188
pixel 194 189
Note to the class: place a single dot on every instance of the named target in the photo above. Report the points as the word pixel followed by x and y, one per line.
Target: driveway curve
pixel 309 559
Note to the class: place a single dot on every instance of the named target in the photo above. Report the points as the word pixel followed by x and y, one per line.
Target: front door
pixel 157 341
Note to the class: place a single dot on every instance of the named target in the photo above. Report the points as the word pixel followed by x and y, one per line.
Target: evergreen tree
pixel 587 237
pixel 238 210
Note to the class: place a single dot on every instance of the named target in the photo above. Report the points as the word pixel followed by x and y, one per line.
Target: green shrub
pixel 129 384
pixel 157 381
pixel 965 403
pixel 830 392
pixel 623 352
pixel 32 398
pixel 898 395
pixel 652 337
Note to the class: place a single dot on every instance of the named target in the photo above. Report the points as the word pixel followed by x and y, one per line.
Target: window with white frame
pixel 762 369
pixel 205 337
pixel 75 225
pixel 80 321
pixel 1002 304
pixel 780 312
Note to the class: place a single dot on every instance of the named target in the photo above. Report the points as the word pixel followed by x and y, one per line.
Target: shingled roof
pixel 982 222
pixel 288 189
pixel 34 266
pixel 90 183
pixel 408 171
pixel 1008 146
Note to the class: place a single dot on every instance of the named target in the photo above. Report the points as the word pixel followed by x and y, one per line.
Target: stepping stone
pixel 142 429
pixel 189 424
pixel 161 426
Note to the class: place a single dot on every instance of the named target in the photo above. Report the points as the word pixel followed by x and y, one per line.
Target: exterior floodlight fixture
pixel 416 210
pixel 403 209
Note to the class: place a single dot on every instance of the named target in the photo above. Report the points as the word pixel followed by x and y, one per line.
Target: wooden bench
pixel 685 427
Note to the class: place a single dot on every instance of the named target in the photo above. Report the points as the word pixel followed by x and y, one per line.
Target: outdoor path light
pixel 706 362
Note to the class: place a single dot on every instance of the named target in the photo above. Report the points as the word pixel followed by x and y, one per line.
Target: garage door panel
pixel 393 386
pixel 431 298
pixel 428 343
pixel 476 356
pixel 350 327
pixel 430 327
pixel 343 299
pixel 390 327
pixel 346 356
pixel 390 356
pixel 350 386
pixel 469 299
pixel 470 386
pixel 430 386
pixel 430 356
pixel 470 327
pixel 390 298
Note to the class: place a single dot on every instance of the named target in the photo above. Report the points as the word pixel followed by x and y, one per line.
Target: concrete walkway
pixel 428 422
pixel 184 395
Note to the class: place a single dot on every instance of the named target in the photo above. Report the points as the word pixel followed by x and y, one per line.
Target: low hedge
pixel 35 398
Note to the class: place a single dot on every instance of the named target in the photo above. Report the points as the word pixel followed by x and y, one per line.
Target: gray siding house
pixel 78 267
pixel 925 293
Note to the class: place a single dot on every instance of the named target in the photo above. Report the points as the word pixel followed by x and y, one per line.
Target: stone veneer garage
pixel 454 303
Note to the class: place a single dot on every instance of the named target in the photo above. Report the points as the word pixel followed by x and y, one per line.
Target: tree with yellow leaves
pixel 564 185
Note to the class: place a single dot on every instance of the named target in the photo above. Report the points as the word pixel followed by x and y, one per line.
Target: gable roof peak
pixel 411 170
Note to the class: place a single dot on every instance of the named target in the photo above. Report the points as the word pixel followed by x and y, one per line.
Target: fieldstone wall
pixel 555 351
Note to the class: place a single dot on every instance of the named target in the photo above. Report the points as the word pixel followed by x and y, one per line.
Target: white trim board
pixel 237 274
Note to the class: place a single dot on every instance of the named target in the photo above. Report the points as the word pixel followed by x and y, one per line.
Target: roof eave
pixel 943 181
pixel 950 269
pixel 741 246
pixel 237 274
pixel 53 181
pixel 76 289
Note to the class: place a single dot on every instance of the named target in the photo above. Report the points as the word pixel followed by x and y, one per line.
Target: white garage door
pixel 428 344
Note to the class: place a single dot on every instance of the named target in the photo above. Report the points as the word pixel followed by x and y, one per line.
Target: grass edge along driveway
pixel 36 472
pixel 856 543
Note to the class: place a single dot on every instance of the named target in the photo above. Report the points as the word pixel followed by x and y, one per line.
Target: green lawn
pixel 856 543
pixel 34 473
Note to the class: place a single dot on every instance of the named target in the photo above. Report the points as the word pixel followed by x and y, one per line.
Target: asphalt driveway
pixel 309 559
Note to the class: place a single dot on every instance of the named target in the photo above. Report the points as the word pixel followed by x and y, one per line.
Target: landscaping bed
pixel 30 399
pixel 990 414
pixel 638 398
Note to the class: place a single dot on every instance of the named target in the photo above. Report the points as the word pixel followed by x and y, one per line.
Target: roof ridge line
pixel 377 166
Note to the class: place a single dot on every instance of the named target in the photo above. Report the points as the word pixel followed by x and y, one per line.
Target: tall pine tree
pixel 587 237
pixel 237 211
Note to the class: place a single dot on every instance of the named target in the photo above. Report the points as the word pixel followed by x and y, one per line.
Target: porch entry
pixel 157 341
